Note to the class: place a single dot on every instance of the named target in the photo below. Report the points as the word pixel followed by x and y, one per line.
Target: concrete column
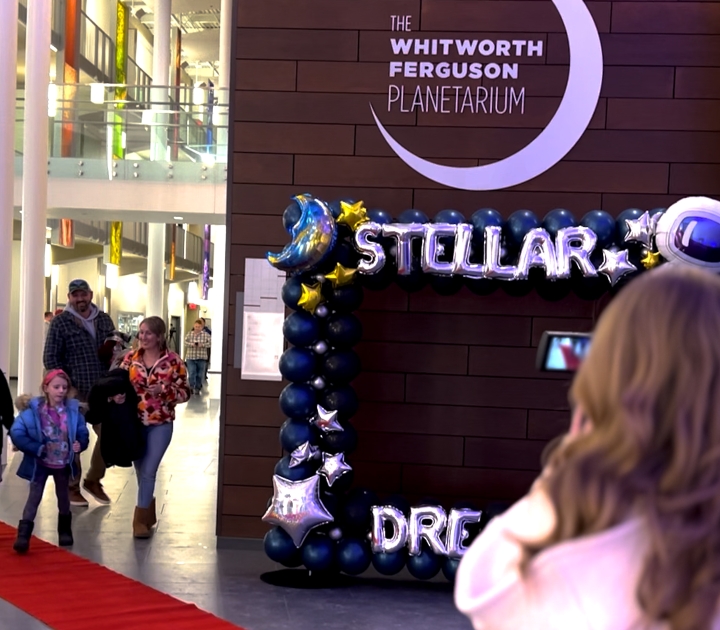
pixel 155 304
pixel 8 81
pixel 160 77
pixel 158 151
pixel 34 194
pixel 218 298
pixel 224 79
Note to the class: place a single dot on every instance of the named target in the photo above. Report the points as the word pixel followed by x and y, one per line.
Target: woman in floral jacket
pixel 160 380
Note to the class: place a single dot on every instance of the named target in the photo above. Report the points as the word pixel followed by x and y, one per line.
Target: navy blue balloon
pixel 413 216
pixel 485 217
pixel 318 552
pixel 298 401
pixel 449 216
pixel 622 228
pixel 655 211
pixel 356 514
pixel 603 224
pixel 305 470
pixel 341 366
pixel 339 441
pixel 481 286
pixel 342 398
pixel 291 292
pixel 450 567
pixel 291 215
pixel 557 220
pixel 390 563
pixel 379 216
pixel 519 223
pixel 446 285
pixel 345 254
pixel 424 566
pixel 353 556
pixel 298 364
pixel 346 299
pixel 279 547
pixel 343 330
pixel 381 280
pixel 331 501
pixel 295 432
pixel 301 328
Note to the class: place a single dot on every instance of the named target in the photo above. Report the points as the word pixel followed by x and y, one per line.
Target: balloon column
pixel 335 250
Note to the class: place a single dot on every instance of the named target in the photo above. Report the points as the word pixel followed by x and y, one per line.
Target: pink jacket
pixel 584 584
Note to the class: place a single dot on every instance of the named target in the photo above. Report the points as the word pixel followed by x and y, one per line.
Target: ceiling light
pixel 178 218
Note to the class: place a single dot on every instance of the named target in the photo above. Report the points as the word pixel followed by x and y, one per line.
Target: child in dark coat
pixel 113 403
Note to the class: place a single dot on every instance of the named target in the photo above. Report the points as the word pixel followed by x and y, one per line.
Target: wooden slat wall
pixel 451 403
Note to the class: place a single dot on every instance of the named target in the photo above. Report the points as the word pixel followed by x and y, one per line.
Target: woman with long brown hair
pixel 160 380
pixel 622 529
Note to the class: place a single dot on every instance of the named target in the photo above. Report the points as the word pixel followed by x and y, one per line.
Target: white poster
pixel 263 314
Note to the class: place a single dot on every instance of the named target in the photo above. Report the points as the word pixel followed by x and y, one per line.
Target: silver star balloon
pixel 615 265
pixel 326 420
pixel 333 467
pixel 304 453
pixel 297 508
pixel 640 230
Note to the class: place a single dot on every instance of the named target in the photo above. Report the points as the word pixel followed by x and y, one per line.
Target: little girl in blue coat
pixel 50 431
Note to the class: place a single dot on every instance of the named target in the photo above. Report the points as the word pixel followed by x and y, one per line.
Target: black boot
pixel 22 542
pixel 65 537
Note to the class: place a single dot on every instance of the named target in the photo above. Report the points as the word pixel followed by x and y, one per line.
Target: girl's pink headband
pixel 52 374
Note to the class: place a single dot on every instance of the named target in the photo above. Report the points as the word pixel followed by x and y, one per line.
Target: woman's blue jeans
pixel 157 440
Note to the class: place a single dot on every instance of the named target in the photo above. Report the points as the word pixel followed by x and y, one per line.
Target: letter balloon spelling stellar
pixel 432 249
pixel 461 255
pixel 373 253
pixel 381 543
pixel 456 532
pixel 427 523
pixel 403 233
pixel 575 243
pixel 492 253
pixel 537 251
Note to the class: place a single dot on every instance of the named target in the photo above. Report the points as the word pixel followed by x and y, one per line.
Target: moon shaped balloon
pixel 313 237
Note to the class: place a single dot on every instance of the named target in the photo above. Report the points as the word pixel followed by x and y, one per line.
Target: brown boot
pixel 152 516
pixel 140 523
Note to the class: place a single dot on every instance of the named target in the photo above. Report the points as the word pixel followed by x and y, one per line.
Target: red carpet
pixel 67 592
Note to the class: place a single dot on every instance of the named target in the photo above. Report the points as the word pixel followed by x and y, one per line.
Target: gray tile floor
pixel 183 559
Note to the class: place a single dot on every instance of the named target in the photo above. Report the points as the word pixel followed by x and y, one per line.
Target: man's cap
pixel 78 285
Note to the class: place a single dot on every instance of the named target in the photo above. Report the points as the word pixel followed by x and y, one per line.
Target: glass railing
pixel 135 131
pixel 97 48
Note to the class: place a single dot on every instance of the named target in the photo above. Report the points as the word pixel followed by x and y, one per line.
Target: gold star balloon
pixel 352 214
pixel 340 276
pixel 652 259
pixel 310 297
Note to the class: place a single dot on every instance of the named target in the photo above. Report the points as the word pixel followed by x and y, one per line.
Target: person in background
pixel 159 378
pixel 72 345
pixel 51 433
pixel 620 531
pixel 209 332
pixel 47 318
pixel 7 410
pixel 197 344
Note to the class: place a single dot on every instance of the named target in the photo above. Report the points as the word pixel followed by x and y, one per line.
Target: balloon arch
pixel 341 248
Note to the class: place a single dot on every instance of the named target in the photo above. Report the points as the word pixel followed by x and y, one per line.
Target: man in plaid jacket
pixel 72 344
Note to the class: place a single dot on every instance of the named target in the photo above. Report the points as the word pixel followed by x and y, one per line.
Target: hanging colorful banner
pixel 121 57
pixel 173 253
pixel 206 264
pixel 116 229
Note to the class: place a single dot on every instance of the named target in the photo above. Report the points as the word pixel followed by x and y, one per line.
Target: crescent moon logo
pixel 555 141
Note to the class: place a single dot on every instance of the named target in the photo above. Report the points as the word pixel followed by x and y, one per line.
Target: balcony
pixel 134 148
